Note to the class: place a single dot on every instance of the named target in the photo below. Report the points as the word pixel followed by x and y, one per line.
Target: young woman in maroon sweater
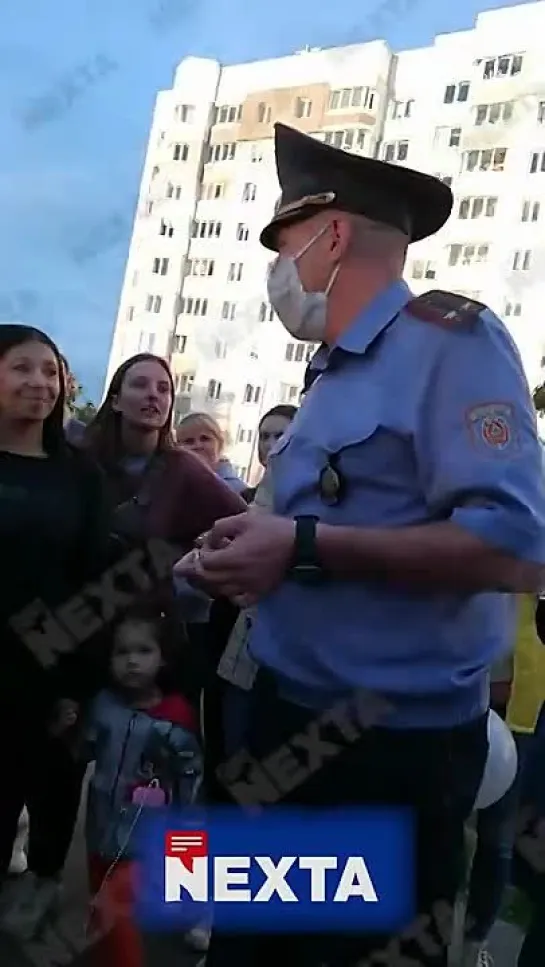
pixel 161 491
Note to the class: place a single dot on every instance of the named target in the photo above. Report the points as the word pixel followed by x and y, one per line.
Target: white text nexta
pixel 231 879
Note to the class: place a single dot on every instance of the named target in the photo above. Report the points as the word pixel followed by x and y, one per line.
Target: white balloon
pixel 501 763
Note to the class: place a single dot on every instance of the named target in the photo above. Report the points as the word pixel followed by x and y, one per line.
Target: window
pixel 489 159
pixel 146 342
pixel 221 152
pixel 193 307
pixel 349 97
pixel 179 343
pixel 206 230
pixel 165 228
pixel 130 314
pixel 249 192
pixel 303 107
pixel 402 109
pixel 220 349
pixel 160 266
pixel 423 270
pixel 497 113
pixel 522 260
pixel 183 382
pixel 154 172
pixel 173 191
pixel 227 113
pixel 295 352
pixel 244 436
pixel 180 152
pixel 256 155
pixel 310 350
pixel 229 311
pixel 263 113
pixel 184 113
pixel 456 92
pixel 234 273
pixel 213 391
pixel 446 137
pixel 446 179
pixel 477 207
pixel 289 393
pixel 504 66
pixel 243 232
pixel 266 312
pixel 396 150
pixel 541 112
pixel 212 191
pixel 153 303
pixel 252 393
pixel 530 211
pixel 351 139
pixel 467 254
pixel 454 137
pixel 512 309
pixel 537 162
pixel 149 207
pixel 200 267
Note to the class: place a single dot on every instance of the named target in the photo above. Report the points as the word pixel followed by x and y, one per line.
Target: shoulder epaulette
pixel 446 309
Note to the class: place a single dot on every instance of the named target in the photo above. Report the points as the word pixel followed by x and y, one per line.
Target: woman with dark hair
pixel 54 539
pixel 158 490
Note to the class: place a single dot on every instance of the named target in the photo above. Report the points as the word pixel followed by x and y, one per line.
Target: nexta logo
pixel 188 865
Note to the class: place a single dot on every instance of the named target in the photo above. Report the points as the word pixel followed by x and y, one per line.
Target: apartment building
pixel 470 108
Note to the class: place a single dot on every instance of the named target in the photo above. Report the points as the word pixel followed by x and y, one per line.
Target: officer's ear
pixel 340 237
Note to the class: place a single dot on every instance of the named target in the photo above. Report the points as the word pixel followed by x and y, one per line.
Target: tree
pixel 85 412
pixel 538 397
pixel 80 407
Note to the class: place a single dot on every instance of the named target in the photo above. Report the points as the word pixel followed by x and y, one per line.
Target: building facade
pixel 470 108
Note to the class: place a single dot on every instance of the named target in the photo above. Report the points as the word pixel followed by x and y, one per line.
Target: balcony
pixel 197 400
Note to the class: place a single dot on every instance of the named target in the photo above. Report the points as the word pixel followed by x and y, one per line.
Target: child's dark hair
pixel 166 632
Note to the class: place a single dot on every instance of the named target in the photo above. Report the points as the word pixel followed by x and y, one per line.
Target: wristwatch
pixel 305 567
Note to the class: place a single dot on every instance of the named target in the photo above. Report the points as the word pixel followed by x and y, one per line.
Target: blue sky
pixel 78 80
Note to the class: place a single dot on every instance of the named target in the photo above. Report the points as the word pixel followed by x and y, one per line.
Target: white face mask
pixel 303 314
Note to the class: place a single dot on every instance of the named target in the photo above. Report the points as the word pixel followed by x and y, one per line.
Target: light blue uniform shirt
pixel 427 423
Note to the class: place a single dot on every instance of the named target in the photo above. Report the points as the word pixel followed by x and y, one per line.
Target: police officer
pixel 408 509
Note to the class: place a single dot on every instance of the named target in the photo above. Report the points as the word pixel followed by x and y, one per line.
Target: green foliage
pixel 539 399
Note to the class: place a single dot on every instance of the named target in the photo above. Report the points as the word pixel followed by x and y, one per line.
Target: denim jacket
pixel 140 763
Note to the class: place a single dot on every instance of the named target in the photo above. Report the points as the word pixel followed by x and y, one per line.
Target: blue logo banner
pixel 291 871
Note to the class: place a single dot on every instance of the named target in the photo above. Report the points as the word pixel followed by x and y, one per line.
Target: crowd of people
pixel 160 615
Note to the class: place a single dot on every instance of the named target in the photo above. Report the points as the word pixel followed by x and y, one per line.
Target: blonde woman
pixel 202 434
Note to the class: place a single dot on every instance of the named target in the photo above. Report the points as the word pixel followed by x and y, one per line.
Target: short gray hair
pixel 371 238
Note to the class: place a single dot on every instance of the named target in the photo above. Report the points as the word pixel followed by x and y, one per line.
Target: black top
pixel 53 540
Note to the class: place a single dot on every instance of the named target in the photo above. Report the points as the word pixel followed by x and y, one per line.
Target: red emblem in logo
pixel 496 432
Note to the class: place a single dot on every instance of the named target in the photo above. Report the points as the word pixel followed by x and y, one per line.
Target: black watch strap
pixel 305 565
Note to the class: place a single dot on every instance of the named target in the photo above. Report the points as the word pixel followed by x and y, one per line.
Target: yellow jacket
pixel 528 691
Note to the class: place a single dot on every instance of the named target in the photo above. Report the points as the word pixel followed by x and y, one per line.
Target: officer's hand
pixel 258 554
